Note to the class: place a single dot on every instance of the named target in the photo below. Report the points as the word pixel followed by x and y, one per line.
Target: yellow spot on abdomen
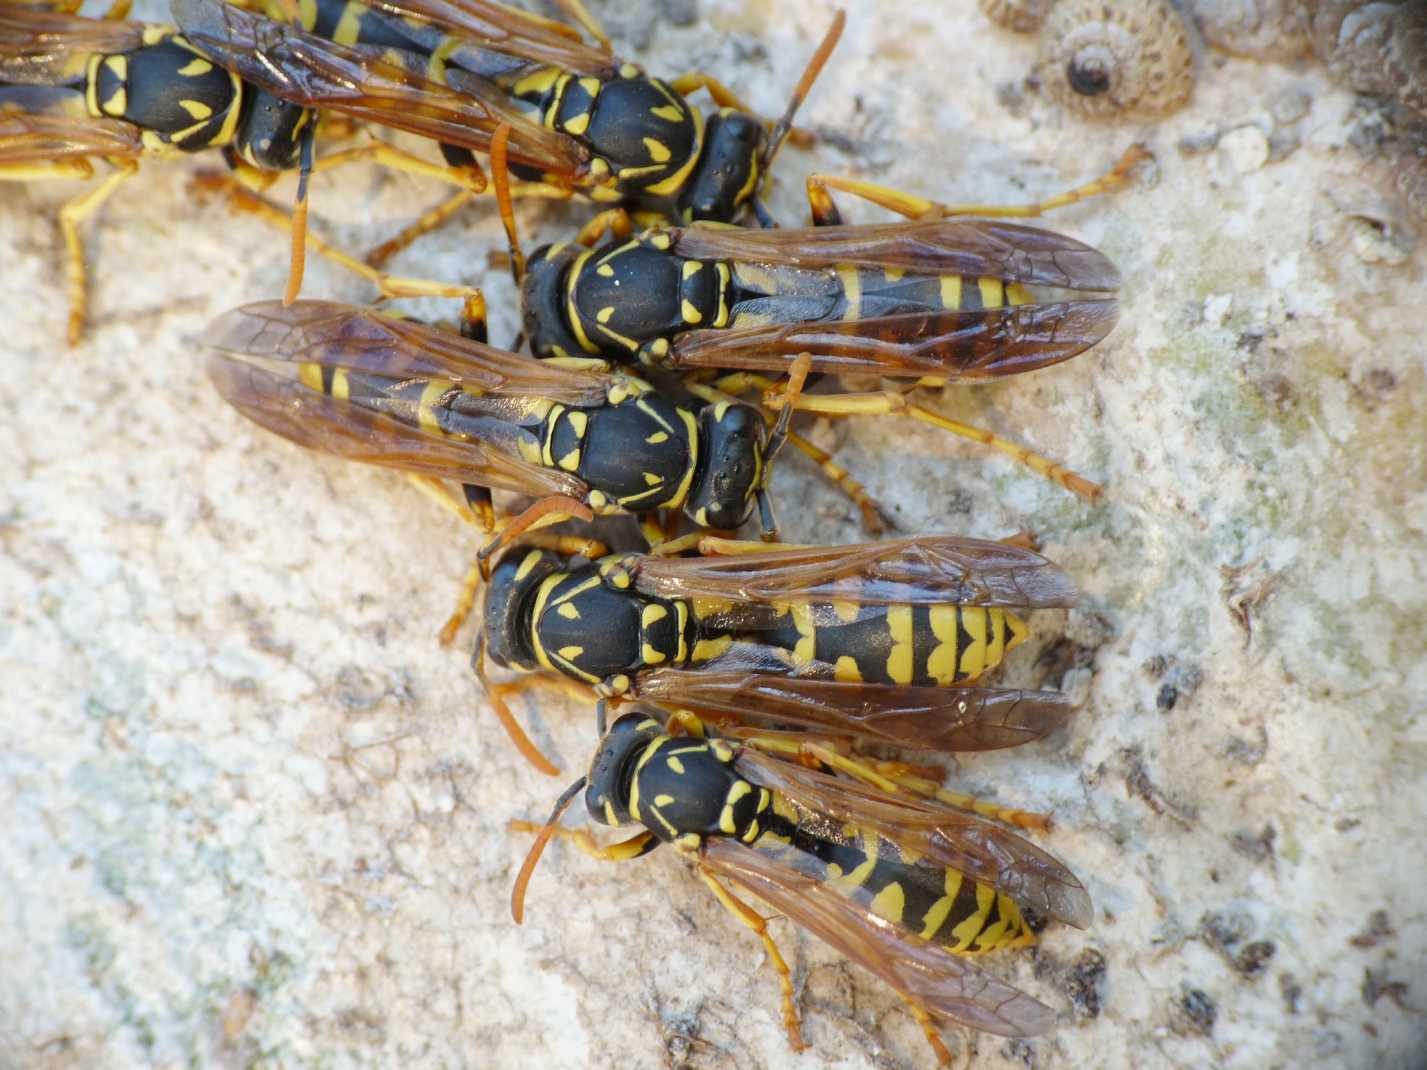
pixel 941 662
pixel 993 291
pixel 973 659
pixel 846 670
pixel 899 660
pixel 889 903
pixel 951 291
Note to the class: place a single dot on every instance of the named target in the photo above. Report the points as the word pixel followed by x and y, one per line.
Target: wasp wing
pixel 385 86
pixel 315 420
pixel 961 345
pixel 918 718
pixel 950 988
pixel 922 570
pixel 368 340
pixel 982 849
pixel 38 124
pixel 968 247
pixel 498 28
pixel 45 47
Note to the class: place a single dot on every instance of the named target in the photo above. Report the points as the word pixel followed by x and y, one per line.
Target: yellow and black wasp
pixel 581 119
pixel 906 887
pixel 77 90
pixel 880 642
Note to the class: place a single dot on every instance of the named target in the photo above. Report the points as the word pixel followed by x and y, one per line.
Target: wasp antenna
pixel 500 172
pixel 297 265
pixel 767 521
pixel 532 858
pixel 810 75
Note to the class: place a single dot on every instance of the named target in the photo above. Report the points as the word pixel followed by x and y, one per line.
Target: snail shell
pixel 1103 58
pixel 1260 29
pixel 1023 16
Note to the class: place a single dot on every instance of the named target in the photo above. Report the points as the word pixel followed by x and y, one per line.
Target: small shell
pixel 1101 58
pixel 1351 37
pixel 1023 16
pixel 1260 29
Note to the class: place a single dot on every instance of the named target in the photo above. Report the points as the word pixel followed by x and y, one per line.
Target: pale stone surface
pixel 256 815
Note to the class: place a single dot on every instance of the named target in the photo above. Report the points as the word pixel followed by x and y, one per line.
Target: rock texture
pixel 257 817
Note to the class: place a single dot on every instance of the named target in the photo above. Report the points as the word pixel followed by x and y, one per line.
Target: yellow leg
pixel 471 179
pixel 70 217
pixel 889 403
pixel 613 221
pixel 714 546
pixel 388 286
pixel 118 10
pixel 724 97
pixel 914 207
pixel 755 921
pixel 576 10
pixel 872 518
pixel 622 851
pixel 943 1056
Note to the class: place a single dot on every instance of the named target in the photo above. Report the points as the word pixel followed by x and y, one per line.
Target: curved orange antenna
pixel 500 172
pixel 532 858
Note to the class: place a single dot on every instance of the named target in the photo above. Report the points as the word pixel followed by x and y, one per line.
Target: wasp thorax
pixel 728 170
pixel 730 466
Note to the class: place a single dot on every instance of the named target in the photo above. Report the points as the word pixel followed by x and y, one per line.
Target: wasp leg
pixel 576 10
pixel 899 774
pixel 889 403
pixel 613 221
pixel 118 10
pixel 938 1046
pixel 755 921
pixel 388 285
pixel 470 178
pixel 623 851
pixel 913 207
pixel 70 217
pixel 873 519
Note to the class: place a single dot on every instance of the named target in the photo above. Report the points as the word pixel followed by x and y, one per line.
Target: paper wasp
pixel 936 300
pixel 582 120
pixel 905 887
pixel 373 387
pixel 74 90
pixel 881 642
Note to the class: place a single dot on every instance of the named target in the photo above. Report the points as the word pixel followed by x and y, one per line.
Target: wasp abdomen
pixel 921 645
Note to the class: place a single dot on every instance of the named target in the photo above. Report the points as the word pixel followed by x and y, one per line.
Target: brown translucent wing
pixel 42 47
pixel 921 570
pixel 971 247
pixel 286 407
pixel 371 84
pixel 950 988
pixel 918 718
pixel 961 345
pixel 365 339
pixel 28 135
pixel 507 30
pixel 978 847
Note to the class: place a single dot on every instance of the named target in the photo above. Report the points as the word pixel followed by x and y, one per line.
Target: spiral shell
pixel 1023 16
pixel 1103 58
pixel 1260 29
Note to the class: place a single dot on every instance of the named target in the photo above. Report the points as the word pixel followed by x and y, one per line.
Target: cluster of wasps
pixel 766 682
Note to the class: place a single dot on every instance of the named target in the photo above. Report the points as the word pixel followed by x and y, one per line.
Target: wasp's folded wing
pixel 368 340
pixel 286 407
pixel 951 989
pixel 922 570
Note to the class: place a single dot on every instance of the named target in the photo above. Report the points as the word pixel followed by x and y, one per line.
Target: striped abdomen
pixel 922 645
pixel 869 292
pixel 938 904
